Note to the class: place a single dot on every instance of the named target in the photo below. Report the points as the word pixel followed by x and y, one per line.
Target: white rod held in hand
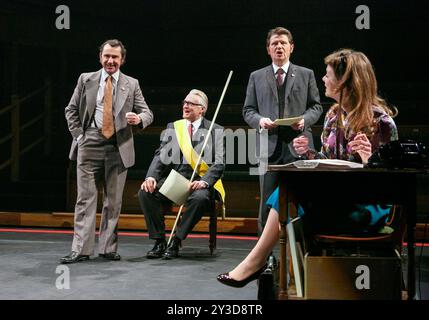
pixel 211 125
pixel 202 150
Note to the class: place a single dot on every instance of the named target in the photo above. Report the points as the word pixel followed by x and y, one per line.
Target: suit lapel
pixel 198 144
pixel 271 81
pixel 121 93
pixel 290 80
pixel 91 89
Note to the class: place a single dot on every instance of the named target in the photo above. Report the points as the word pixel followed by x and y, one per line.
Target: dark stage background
pixel 174 46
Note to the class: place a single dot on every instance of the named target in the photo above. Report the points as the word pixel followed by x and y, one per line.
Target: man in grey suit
pixel 280 90
pixel 104 106
pixel 172 154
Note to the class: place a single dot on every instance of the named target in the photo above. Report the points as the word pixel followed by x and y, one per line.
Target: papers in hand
pixel 287 121
pixel 176 187
pixel 324 163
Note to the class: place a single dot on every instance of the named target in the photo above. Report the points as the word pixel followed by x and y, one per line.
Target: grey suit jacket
pixel 128 98
pixel 160 168
pixel 301 98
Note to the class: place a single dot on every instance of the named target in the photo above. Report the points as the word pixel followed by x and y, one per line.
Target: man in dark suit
pixel 104 106
pixel 280 90
pixel 173 154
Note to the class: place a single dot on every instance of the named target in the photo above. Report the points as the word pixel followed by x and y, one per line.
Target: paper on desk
pixel 287 121
pixel 325 163
pixel 176 187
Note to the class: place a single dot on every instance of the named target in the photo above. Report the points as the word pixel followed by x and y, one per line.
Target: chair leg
pixel 212 233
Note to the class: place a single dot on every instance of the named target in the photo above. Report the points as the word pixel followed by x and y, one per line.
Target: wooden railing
pixel 17 106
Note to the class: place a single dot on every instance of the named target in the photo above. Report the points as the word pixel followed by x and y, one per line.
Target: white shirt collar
pixel 104 75
pixel 285 67
pixel 195 125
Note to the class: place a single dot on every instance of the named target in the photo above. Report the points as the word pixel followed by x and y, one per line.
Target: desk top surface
pixel 288 168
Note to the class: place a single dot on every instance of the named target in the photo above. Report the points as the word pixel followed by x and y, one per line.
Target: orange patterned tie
pixel 108 128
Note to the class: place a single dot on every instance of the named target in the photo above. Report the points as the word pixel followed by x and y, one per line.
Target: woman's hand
pixel 362 146
pixel 300 144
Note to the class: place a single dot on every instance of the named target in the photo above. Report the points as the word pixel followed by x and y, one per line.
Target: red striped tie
pixel 190 130
pixel 279 73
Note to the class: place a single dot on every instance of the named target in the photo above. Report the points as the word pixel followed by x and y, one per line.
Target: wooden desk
pixel 350 185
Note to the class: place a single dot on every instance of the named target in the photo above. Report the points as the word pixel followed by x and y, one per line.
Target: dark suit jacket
pixel 301 98
pixel 169 149
pixel 128 98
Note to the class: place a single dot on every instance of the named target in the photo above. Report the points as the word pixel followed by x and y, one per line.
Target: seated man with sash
pixel 181 144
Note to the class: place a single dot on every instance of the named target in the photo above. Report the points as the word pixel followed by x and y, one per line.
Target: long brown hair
pixel 356 75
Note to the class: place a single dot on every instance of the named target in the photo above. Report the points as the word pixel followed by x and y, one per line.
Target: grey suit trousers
pixel 196 205
pixel 270 181
pixel 98 161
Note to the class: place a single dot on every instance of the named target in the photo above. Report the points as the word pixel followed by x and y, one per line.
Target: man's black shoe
pixel 173 249
pixel 110 256
pixel 74 257
pixel 157 250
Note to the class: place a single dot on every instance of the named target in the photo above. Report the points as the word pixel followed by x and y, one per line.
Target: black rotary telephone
pixel 400 154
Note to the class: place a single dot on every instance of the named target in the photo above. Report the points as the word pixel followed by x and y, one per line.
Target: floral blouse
pixel 385 131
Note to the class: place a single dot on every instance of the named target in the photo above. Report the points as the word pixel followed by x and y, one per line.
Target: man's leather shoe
pixel 110 256
pixel 157 250
pixel 225 279
pixel 173 249
pixel 74 257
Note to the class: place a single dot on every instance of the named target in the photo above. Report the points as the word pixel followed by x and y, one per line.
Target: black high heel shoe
pixel 225 279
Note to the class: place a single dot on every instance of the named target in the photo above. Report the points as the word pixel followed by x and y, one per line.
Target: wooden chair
pixel 396 221
pixel 333 257
pixel 215 211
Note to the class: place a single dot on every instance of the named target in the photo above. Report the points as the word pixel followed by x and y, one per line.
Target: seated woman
pixel 355 127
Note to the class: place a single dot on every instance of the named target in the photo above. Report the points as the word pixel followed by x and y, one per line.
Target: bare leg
pixel 259 254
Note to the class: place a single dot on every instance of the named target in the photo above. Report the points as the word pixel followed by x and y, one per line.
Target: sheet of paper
pixel 325 163
pixel 287 121
pixel 176 188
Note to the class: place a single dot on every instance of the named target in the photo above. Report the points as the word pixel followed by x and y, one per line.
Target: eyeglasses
pixel 189 103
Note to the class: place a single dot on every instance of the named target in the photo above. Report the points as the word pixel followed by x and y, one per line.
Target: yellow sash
pixel 191 156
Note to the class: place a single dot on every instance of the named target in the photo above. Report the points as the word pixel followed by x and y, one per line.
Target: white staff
pixel 202 150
